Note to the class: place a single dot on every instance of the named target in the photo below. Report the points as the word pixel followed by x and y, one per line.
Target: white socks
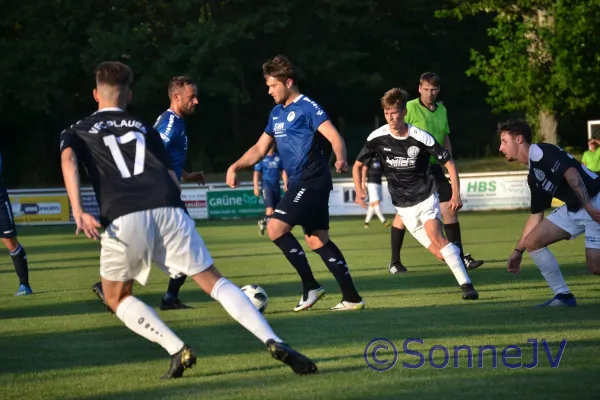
pixel 239 306
pixel 548 266
pixel 369 214
pixel 378 212
pixel 451 255
pixel 374 209
pixel 142 319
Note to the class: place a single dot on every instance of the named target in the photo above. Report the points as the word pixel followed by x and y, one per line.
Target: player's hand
pixel 594 213
pixel 284 188
pixel 514 262
pixel 455 203
pixel 197 177
pixel 341 167
pixel 231 178
pixel 360 198
pixel 89 225
pixel 256 192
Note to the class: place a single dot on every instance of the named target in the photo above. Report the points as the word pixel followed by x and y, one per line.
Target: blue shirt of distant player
pixel 270 168
pixel 294 128
pixel 172 131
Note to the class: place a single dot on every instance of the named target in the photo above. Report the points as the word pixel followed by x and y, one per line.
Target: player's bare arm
pixel 256 180
pixel 197 177
pixel 365 169
pixel 455 202
pixel 357 177
pixel 576 183
pixel 284 176
pixel 337 144
pixel 85 222
pixel 173 176
pixel 514 260
pixel 250 157
pixel 447 145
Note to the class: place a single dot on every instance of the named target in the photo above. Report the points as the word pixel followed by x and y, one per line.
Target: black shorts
pixel 444 186
pixel 271 197
pixel 306 207
pixel 7 220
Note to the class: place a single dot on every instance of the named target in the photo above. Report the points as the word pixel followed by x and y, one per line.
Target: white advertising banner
pixel 195 202
pixel 478 192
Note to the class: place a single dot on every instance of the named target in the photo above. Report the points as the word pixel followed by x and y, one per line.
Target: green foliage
pixel 545 54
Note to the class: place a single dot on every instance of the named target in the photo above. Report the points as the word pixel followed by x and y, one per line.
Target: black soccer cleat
pixel 469 292
pixel 173 304
pixel 396 267
pixel 181 361
pixel 97 288
pixel 299 363
pixel 471 263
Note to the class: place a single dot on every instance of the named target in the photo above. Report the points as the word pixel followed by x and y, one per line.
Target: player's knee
pixel 11 244
pixel 532 243
pixel 375 203
pixel 317 239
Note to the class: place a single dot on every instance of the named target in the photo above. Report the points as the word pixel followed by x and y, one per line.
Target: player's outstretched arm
pixel 284 176
pixel 514 260
pixel 576 183
pixel 85 222
pixel 196 176
pixel 250 157
pixel 455 202
pixel 357 177
pixel 337 145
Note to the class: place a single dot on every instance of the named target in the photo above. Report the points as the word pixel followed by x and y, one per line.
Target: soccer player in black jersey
pixel 8 235
pixel 404 151
pixel 553 173
pixel 144 221
pixel 372 186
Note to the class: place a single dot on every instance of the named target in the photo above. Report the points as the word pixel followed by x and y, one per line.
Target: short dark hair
pixel 114 73
pixel 516 127
pixel 280 68
pixel 430 77
pixel 179 82
pixel 395 97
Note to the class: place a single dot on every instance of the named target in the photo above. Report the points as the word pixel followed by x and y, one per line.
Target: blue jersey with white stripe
pixel 172 131
pixel 270 168
pixel 294 128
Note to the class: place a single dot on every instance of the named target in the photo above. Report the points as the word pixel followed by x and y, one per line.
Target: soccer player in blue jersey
pixel 267 172
pixel 8 234
pixel 293 125
pixel 183 95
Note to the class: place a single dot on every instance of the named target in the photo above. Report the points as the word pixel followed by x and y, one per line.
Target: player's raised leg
pixel 280 233
pixel 320 243
pixel 182 245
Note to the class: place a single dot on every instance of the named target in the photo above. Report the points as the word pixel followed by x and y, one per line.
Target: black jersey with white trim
pixel 405 162
pixel 547 166
pixel 126 161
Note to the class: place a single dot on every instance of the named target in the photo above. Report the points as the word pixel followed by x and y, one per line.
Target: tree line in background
pixel 533 58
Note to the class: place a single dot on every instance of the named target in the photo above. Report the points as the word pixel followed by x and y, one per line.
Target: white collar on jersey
pixel 109 109
pixel 298 98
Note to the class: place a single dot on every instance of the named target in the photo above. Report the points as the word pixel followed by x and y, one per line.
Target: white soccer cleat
pixel 347 306
pixel 313 296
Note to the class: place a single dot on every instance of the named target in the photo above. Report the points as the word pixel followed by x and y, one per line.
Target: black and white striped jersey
pixel 547 166
pixel 405 162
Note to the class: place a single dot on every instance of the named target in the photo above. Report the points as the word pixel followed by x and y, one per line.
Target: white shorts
pixel 374 192
pixel 414 217
pixel 577 223
pixel 166 236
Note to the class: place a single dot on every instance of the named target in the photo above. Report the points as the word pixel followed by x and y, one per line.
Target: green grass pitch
pixel 61 344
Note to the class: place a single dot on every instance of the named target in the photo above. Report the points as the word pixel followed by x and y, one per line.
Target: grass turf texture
pixel 60 344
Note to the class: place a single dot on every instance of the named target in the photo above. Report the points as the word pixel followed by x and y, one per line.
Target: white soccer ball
pixel 257 296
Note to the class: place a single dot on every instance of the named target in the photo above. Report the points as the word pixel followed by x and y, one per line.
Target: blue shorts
pixel 7 219
pixel 271 197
